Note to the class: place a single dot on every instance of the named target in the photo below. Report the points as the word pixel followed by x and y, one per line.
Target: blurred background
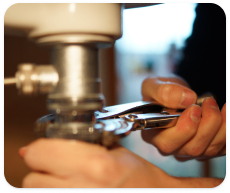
pixel 152 43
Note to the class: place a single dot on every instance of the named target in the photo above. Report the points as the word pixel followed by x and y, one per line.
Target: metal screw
pixel 132 116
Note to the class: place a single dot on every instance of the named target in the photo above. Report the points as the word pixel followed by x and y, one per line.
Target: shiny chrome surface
pixel 77 94
pixel 79 82
pixel 152 120
pixel 34 79
pixel 123 109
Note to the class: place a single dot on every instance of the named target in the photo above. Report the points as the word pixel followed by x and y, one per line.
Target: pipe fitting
pixel 34 79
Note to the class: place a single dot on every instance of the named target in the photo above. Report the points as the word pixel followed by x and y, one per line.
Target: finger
pixel 169 94
pixel 40 180
pixel 208 128
pixel 169 140
pixel 203 157
pixel 175 79
pixel 220 154
pixel 219 140
pixel 65 157
pixel 223 151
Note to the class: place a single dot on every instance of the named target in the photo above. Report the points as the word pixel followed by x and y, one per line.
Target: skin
pixel 200 133
pixel 60 163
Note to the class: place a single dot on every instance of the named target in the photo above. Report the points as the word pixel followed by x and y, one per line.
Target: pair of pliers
pixel 113 122
pixel 119 120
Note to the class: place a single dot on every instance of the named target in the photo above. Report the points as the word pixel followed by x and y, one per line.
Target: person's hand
pixel 60 163
pixel 200 131
pixel 75 164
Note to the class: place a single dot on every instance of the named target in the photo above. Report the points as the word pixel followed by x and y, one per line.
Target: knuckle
pixel 194 151
pixel 211 152
pixel 170 94
pixel 165 147
pixel 164 91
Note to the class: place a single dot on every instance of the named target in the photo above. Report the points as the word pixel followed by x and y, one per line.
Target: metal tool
pixel 112 123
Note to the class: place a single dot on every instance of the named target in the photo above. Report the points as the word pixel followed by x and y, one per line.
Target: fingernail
pixel 188 98
pixel 195 113
pixel 22 151
pixel 212 103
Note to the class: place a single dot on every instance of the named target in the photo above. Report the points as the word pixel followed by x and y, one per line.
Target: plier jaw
pixel 136 116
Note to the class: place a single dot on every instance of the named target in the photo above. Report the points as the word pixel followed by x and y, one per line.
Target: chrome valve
pixel 33 79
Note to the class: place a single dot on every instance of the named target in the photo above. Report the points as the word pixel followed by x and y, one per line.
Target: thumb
pixel 169 94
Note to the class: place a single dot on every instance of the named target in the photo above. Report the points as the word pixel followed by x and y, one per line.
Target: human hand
pixel 60 163
pixel 200 131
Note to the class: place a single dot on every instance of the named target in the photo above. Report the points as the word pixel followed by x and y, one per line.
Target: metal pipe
pixel 10 80
pixel 79 83
pixel 77 94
